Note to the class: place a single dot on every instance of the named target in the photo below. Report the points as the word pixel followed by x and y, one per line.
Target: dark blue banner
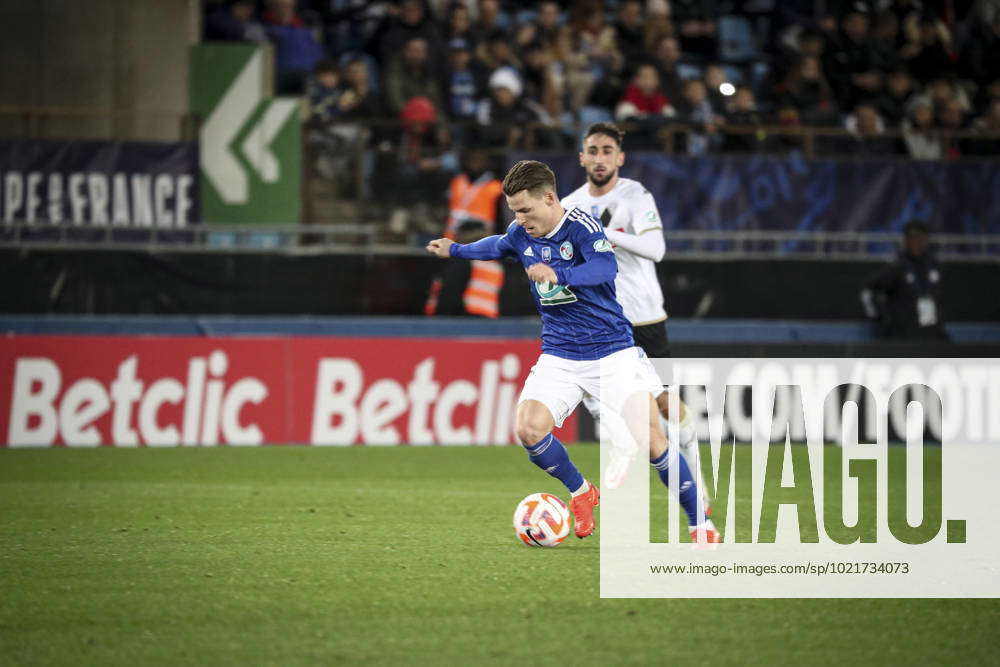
pixel 99 183
pixel 795 194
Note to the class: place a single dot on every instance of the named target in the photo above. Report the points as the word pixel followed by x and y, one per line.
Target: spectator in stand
pixel 644 98
pixel 980 60
pixel 234 22
pixel 525 34
pixel 657 25
pixel 591 53
pixel 714 77
pixel 543 79
pixel 549 28
pixel 357 101
pixel 853 63
pixel 296 49
pixel 644 108
pixel 806 90
pixel 987 125
pixel 742 112
pixel 459 24
pixel 323 90
pixel 812 42
pixel 629 32
pixel 919 134
pixel 951 119
pixel 798 42
pixel 867 133
pixel 695 110
pixel 928 54
pixel 896 98
pixel 696 26
pixel 412 21
pixel 423 166
pixel 907 12
pixel 463 85
pixel 666 56
pixel 340 107
pixel 489 22
pixel 505 117
pixel 943 91
pixel 887 34
pixel 411 75
pixel 497 52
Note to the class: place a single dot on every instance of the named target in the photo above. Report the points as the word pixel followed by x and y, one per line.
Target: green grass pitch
pixel 366 555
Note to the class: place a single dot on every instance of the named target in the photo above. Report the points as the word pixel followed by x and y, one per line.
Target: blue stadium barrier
pixel 680 330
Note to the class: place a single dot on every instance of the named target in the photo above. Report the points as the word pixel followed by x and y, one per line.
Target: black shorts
pixel 652 338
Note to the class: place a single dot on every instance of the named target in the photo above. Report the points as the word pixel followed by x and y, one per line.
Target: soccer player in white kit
pixel 632 223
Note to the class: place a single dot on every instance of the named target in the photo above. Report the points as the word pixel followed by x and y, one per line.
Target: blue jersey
pixel 581 318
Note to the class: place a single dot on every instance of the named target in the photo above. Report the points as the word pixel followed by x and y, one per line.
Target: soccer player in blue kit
pixel 568 257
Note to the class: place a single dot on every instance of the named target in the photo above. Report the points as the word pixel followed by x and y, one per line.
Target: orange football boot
pixel 583 510
pixel 710 539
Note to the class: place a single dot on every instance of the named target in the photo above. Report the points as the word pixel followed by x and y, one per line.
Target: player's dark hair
pixel 530 175
pixel 607 129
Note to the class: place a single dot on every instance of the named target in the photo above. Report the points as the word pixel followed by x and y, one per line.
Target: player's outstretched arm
pixel 645 237
pixel 491 247
pixel 649 244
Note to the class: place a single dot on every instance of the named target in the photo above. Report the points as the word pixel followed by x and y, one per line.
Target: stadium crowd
pixel 410 87
pixel 497 74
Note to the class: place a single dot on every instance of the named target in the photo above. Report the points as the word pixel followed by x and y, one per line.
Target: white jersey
pixel 628 208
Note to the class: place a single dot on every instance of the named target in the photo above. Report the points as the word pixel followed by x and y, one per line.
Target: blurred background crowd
pixel 492 74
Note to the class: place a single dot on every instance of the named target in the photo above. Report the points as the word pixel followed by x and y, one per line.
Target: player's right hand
pixel 440 247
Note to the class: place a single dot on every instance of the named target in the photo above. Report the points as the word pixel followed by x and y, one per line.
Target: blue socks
pixel 688 492
pixel 551 456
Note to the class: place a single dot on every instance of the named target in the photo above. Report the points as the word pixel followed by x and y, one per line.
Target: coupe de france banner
pixel 126 184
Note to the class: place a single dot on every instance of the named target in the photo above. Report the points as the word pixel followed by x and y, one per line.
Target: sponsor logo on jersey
pixel 546 254
pixel 550 294
pixel 651 216
pixel 566 250
pixel 528 252
pixel 603 245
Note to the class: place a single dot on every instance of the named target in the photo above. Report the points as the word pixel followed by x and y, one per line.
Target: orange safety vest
pixel 472 200
pixel 475 200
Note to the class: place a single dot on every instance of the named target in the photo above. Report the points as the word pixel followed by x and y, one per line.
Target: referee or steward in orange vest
pixel 473 211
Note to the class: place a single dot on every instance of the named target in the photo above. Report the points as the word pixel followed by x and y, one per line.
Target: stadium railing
pixel 363 238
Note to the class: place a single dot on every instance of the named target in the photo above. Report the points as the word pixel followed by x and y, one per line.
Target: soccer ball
pixel 541 520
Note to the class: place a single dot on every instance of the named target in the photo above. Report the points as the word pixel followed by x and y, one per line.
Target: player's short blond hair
pixel 530 175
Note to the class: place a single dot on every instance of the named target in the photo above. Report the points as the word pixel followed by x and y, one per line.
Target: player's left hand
pixel 541 273
pixel 440 247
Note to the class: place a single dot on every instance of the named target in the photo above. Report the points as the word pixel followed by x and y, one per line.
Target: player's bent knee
pixel 533 422
pixel 663 403
pixel 657 444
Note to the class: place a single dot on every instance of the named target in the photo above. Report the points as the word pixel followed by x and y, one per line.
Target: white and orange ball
pixel 541 520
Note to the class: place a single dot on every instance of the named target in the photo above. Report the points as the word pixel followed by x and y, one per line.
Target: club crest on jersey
pixel 566 250
pixel 546 254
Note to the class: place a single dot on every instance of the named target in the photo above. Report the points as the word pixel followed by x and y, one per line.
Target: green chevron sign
pixel 249 141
